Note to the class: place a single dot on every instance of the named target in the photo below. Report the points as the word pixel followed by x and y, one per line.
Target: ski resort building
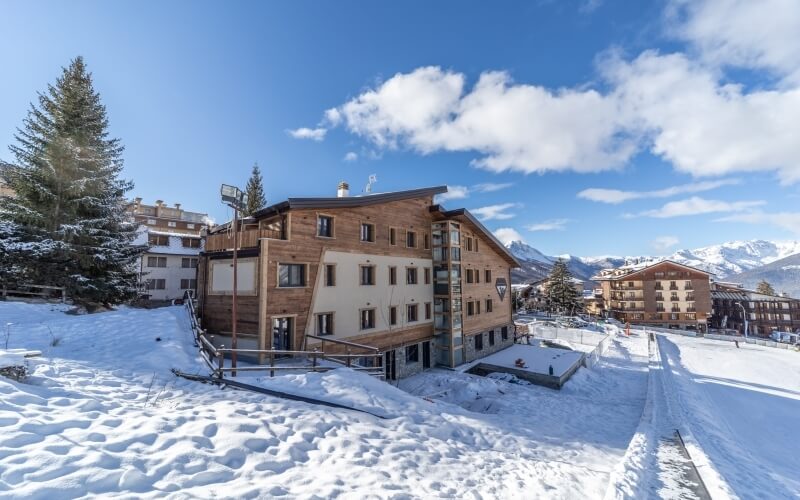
pixel 663 294
pixel 394 271
pixel 168 269
pixel 764 313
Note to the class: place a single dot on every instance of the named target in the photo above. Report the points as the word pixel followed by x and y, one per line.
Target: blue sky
pixel 531 110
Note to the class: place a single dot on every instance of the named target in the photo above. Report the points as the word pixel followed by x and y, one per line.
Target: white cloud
pixel 550 225
pixel 696 206
pixel 333 117
pixel 704 127
pixel 789 221
pixel 315 134
pixel 664 243
pixel 616 196
pixel 517 127
pixel 453 193
pixel 495 212
pixel 351 156
pixel 507 234
pixel 491 187
pixel 759 34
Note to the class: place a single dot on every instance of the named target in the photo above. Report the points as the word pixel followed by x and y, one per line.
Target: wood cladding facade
pixel 303 246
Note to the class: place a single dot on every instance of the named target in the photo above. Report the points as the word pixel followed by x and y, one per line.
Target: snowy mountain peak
pixel 525 252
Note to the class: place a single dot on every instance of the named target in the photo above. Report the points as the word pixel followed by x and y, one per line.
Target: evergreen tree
pixel 255 192
pixel 67 225
pixel 560 294
pixel 765 288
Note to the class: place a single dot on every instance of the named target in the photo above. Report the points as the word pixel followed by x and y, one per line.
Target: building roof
pixel 464 213
pixel 631 269
pixel 347 201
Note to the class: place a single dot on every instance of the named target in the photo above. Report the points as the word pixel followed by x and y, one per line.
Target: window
pixel 427 310
pixel 152 222
pixel 392 275
pixel 330 275
pixel 325 324
pixel 393 315
pixel 367 319
pixel 190 242
pixel 426 241
pixel 469 276
pixel 411 239
pixel 325 226
pixel 158 240
pixel 479 342
pixel 171 224
pixel 477 276
pixel 156 284
pixel 504 333
pixel 393 236
pixel 470 308
pixel 489 305
pixel 412 353
pixel 411 313
pixel 491 337
pixel 188 263
pixel 367 275
pixel 189 226
pixel 290 275
pixel 477 307
pixel 476 244
pixel 188 284
pixel 469 244
pixel 427 275
pixel 488 276
pixel 367 232
pixel 156 262
pixel 411 275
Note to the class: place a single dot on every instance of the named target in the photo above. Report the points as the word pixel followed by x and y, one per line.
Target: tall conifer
pixel 255 192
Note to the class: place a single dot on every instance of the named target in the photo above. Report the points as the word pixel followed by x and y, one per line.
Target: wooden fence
pixel 44 291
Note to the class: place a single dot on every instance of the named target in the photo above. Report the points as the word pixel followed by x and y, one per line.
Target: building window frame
pixel 325 321
pixel 411 239
pixel 366 274
pixel 412 275
pixel 331 226
pixel 412 313
pixel 366 319
pixel 329 276
pixel 290 283
pixel 367 232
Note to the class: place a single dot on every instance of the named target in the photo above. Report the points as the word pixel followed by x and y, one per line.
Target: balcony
pixel 673 287
pixel 659 287
pixel 221 242
pixel 674 298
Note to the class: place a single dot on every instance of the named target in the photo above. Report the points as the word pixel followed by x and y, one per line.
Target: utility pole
pixel 744 316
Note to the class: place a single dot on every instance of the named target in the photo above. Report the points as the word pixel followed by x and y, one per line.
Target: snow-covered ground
pixel 102 414
pixel 742 407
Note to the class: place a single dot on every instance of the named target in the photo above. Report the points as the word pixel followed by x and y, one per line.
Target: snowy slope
pixel 103 416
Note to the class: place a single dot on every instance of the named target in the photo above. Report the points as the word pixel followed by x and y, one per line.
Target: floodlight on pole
pixel 237 200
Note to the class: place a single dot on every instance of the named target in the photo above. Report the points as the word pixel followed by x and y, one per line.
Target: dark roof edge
pixel 466 213
pixel 348 201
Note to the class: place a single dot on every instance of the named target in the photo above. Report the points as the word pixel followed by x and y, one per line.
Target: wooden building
pixel 765 313
pixel 663 294
pixel 425 285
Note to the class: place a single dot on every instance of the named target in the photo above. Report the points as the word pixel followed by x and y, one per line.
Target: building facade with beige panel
pixel 386 270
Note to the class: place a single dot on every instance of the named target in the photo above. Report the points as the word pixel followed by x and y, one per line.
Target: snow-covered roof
pixel 175 246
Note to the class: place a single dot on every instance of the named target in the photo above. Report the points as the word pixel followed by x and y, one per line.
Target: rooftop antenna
pixel 372 180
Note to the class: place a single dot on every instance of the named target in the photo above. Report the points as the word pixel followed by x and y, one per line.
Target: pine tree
pixel 255 192
pixel 67 225
pixel 560 293
pixel 765 288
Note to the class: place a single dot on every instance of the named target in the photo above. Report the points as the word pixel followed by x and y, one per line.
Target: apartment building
pixel 765 313
pixel 425 285
pixel 663 294
pixel 168 269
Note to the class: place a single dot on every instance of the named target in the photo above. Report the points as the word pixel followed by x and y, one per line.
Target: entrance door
pixel 282 329
pixel 426 355
pixel 389 365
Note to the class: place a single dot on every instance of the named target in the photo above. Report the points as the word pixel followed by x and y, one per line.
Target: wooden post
pixel 221 361
pixel 314 360
pixel 347 360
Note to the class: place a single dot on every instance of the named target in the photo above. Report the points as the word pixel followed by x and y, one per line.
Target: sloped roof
pixel 348 201
pixel 465 214
pixel 628 271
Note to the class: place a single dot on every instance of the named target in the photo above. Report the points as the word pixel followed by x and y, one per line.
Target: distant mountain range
pixel 745 262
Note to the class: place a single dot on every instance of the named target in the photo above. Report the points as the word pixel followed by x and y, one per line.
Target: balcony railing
pixel 247 239
pixel 673 287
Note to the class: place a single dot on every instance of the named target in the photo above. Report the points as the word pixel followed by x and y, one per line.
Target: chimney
pixel 343 191
pixel 159 203
pixel 177 206
pixel 138 201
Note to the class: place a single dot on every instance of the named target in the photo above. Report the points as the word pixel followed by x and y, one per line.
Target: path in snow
pixel 102 414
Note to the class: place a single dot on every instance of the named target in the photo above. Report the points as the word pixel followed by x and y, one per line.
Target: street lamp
pixel 237 200
pixel 744 316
